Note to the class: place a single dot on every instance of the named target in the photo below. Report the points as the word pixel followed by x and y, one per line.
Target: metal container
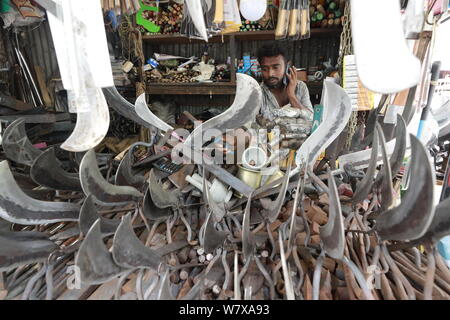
pixel 275 176
pixel 252 178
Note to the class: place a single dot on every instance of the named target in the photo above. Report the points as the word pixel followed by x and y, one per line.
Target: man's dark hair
pixel 270 50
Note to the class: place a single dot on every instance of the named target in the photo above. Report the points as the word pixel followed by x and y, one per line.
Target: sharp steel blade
pixel 396 160
pixel 24 247
pixel 129 252
pixel 94 261
pixel 151 211
pixel 213 237
pixel 91 127
pixel 339 108
pixel 16 145
pixel 145 114
pixel 17 207
pixel 364 186
pixel 89 214
pixel 440 225
pixel 387 189
pixel 273 210
pixel 46 171
pixel 413 216
pixel 248 243
pixel 332 233
pixel 125 175
pixel 244 109
pixel 104 192
pixel 160 197
pixel 123 107
pixel 196 12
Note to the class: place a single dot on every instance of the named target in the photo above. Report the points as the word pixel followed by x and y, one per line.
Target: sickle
pixel 151 211
pixel 244 109
pixel 103 192
pixel 129 252
pixel 91 126
pixel 94 261
pixel 160 197
pixel 339 108
pixel 332 233
pixel 24 247
pixel 218 209
pixel 387 189
pixel 16 145
pixel 123 107
pixel 125 175
pixel 273 208
pixel 88 216
pixel 364 186
pixel 213 238
pixel 17 207
pixel 248 241
pixel 47 171
pixel 413 216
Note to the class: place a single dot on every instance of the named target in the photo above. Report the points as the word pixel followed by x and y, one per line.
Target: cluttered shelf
pixel 209 88
pixel 249 35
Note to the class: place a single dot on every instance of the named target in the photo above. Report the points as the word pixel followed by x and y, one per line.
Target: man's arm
pixel 291 89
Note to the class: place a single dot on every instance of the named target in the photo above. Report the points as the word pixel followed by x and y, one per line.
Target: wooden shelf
pixel 250 35
pixel 214 88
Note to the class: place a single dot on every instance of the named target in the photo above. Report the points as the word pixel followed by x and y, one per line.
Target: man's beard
pixel 272 85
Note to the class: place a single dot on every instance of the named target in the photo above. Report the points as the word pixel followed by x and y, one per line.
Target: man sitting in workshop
pixel 286 101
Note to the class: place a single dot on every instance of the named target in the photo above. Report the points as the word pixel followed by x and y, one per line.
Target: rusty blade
pixel 246 105
pixel 123 107
pixel 125 175
pixel 151 211
pixel 363 187
pixel 94 261
pixel 93 183
pixel 218 209
pixel 24 247
pixel 16 145
pixel 387 190
pixel 411 219
pixel 213 238
pixel 129 252
pixel 47 171
pixel 88 216
pixel 273 209
pixel 17 207
pixel 332 233
pixel 248 241
pixel 160 197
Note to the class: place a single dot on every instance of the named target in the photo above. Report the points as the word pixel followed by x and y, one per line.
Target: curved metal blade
pixel 16 145
pixel 248 241
pixel 332 233
pixel 93 259
pixel 123 107
pixel 244 109
pixel 164 292
pixel 125 175
pixel 364 186
pixel 89 214
pixel 213 237
pixel 440 225
pixel 104 192
pixel 24 247
pixel 46 171
pixel 143 111
pixel 339 108
pixel 161 198
pixel 411 219
pixel 151 211
pixel 387 190
pixel 17 207
pixel 396 159
pixel 273 209
pixel 129 252
pixel 91 127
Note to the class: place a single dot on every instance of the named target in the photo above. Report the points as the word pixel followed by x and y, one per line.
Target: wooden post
pixel 233 58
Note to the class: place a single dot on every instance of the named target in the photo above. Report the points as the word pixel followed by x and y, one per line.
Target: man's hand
pixel 292 85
